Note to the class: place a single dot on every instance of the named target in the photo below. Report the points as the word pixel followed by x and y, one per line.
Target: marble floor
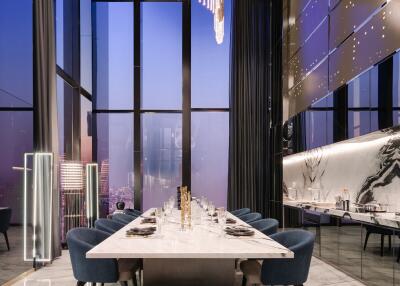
pixel 11 262
pixel 60 273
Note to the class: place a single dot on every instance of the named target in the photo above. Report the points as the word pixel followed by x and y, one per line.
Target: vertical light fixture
pixel 72 196
pixel 92 193
pixel 38 196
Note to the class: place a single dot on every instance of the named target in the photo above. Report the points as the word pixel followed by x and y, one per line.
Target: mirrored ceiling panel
pixel 333 3
pixel 310 55
pixel 311 89
pixel 296 7
pixel 307 23
pixel 347 16
pixel 376 40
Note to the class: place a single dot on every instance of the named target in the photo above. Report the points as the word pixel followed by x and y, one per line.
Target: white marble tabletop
pixel 203 241
pixel 388 219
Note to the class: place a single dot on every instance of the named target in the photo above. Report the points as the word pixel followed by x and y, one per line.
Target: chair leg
pixel 135 279
pixel 80 283
pixel 390 242
pixel 366 240
pixel 382 243
pixel 6 237
pixel 398 256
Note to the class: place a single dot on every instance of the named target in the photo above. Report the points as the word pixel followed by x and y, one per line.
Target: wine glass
pixel 221 219
pixel 211 209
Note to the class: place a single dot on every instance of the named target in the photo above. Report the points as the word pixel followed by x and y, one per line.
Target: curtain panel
pixel 45 100
pixel 249 116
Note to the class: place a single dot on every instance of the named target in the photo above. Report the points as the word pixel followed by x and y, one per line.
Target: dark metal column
pixel 385 94
pixel 340 114
pixel 72 103
pixel 186 92
pixel 137 129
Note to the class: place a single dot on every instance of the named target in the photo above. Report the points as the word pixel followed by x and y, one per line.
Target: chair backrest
pixel 80 241
pixel 240 212
pixel 123 218
pixel 250 217
pixel 290 271
pixel 267 226
pixel 108 225
pixel 132 212
pixel 5 217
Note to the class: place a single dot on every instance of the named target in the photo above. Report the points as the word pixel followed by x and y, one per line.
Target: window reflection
pixel 210 145
pixel 161 55
pixel 162 157
pixel 114 50
pixel 210 61
pixel 16 79
pixel 363 104
pixel 115 159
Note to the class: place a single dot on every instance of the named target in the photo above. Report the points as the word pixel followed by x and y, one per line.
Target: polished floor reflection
pixel 343 246
pixel 60 273
pixel 11 262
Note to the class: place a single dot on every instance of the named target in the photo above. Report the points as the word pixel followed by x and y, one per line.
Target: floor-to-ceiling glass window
pixel 210 104
pixel 161 61
pixel 113 77
pixel 16 117
pixel 74 101
pixel 146 96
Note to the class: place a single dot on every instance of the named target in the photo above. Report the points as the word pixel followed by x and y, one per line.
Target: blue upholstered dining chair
pixel 123 218
pixel 286 271
pixel 80 241
pixel 240 212
pixel 267 226
pixel 248 218
pixel 108 225
pixel 132 212
pixel 5 217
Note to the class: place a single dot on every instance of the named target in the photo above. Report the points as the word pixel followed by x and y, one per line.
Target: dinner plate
pixel 144 231
pixel 239 231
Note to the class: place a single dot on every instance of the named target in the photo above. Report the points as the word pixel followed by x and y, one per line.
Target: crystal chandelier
pixel 217 8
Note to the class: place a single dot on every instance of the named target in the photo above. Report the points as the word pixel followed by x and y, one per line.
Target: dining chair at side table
pixel 248 218
pixel 80 241
pixel 5 217
pixel 132 212
pixel 290 271
pixel 267 226
pixel 123 218
pixel 240 212
pixel 108 225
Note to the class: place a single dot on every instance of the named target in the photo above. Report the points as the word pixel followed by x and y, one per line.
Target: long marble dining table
pixel 202 255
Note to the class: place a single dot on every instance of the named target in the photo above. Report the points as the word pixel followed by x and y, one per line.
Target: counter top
pixel 387 219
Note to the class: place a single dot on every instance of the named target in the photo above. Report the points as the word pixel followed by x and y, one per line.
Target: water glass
pixel 211 209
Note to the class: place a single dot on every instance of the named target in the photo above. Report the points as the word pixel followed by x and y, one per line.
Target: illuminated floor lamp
pixel 72 197
pixel 38 190
pixel 92 193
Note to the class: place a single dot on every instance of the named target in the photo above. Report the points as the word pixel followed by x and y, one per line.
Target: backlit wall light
pixel 92 193
pixel 38 195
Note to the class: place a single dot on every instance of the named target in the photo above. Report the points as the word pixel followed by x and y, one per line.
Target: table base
pixel 193 272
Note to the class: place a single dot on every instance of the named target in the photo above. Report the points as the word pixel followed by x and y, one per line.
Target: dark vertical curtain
pixel 249 116
pixel 45 115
